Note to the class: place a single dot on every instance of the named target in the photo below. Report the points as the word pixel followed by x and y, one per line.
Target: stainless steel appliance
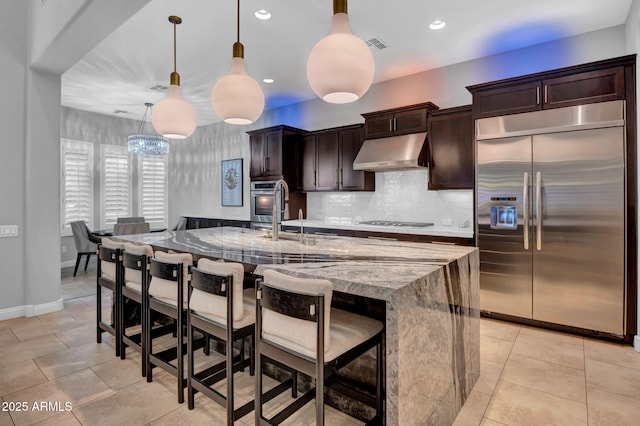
pixel 262 198
pixel 551 216
pixel 402 152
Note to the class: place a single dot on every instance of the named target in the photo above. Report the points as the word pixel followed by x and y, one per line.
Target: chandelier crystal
pixel 146 144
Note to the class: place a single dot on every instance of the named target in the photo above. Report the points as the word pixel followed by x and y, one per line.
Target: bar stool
pixel 296 326
pixel 168 296
pixel 110 276
pixel 219 307
pixel 135 261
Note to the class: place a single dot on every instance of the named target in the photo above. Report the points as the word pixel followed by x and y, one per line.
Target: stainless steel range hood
pixel 393 153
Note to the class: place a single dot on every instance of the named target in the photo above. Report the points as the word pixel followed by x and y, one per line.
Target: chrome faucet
pixel 301 217
pixel 276 209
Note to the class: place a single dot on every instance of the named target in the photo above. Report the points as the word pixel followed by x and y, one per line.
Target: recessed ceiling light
pixel 437 25
pixel 263 14
pixel 268 80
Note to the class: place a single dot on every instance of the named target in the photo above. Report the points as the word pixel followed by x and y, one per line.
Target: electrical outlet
pixel 64 249
pixel 8 231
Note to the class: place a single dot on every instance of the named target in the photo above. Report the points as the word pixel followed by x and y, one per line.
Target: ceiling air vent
pixel 120 111
pixel 159 88
pixel 377 43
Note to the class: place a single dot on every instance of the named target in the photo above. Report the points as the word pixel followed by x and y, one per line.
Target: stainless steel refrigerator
pixel 551 216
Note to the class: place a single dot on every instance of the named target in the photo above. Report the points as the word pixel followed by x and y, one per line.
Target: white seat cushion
pixel 165 290
pixel 248 314
pixel 347 330
pixel 299 333
pixel 108 269
pixel 216 306
pixel 133 278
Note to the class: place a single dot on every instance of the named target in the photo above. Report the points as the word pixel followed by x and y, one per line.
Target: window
pixel 77 183
pixel 115 184
pixel 152 181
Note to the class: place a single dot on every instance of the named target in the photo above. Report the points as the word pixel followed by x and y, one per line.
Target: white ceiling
pixel 119 72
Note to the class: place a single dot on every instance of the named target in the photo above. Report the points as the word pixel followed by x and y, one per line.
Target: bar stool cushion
pixel 133 278
pixel 292 332
pixel 165 290
pixel 215 307
pixel 108 269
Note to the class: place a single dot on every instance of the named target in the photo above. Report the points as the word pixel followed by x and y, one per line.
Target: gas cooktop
pixel 396 223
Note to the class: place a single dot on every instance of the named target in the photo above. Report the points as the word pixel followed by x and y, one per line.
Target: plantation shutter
pixel 116 186
pixel 153 189
pixel 77 182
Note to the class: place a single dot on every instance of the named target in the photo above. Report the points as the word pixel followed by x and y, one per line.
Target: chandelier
pixel 145 144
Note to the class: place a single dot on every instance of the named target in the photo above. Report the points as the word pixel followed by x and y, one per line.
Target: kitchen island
pixel 430 293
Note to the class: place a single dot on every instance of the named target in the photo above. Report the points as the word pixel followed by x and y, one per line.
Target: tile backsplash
pixel 401 195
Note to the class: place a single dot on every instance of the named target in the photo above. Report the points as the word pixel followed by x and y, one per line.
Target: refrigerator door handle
pixel 538 211
pixel 525 209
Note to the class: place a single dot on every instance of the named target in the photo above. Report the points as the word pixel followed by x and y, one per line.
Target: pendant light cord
pixel 238 22
pixel 174 48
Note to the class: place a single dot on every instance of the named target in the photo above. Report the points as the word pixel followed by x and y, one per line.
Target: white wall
pixel 13 57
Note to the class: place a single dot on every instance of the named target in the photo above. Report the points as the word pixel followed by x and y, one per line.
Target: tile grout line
pixel 500 377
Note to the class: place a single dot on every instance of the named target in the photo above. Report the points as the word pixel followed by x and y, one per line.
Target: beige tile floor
pixel 528 377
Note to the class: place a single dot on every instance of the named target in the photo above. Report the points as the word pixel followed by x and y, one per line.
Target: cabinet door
pixel 412 121
pixel 352 180
pixel 587 87
pixel 379 126
pixel 273 153
pixel 327 161
pixel 308 163
pixel 451 154
pixel 257 166
pixel 514 99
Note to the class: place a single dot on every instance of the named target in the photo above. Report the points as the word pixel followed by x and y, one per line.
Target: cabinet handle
pixel 395 124
pixel 538 95
pixel 545 93
pixel 314 177
pixel 391 124
pixel 337 177
pixel 341 177
pixel 264 164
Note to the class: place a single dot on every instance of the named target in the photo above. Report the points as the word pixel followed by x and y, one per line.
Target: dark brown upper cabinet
pixel 451 148
pixel 589 83
pixel 397 121
pixel 275 152
pixel 327 161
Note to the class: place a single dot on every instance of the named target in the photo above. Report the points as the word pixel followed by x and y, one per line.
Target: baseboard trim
pixel 31 310
pixel 636 342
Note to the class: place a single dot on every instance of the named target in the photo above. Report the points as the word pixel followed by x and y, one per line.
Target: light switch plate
pixel 8 231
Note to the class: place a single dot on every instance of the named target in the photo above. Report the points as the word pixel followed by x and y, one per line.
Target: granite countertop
pixel 435 230
pixel 367 267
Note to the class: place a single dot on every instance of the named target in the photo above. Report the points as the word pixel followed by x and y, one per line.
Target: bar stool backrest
pixel 203 300
pixel 285 323
pixel 108 266
pixel 133 263
pixel 163 286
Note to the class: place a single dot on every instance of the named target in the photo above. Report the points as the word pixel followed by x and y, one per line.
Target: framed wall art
pixel 232 182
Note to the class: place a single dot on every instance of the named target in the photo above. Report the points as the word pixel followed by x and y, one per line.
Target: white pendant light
pixel 236 97
pixel 172 117
pixel 340 67
pixel 147 144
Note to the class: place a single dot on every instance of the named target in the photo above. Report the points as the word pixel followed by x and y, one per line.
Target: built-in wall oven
pixel 262 197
